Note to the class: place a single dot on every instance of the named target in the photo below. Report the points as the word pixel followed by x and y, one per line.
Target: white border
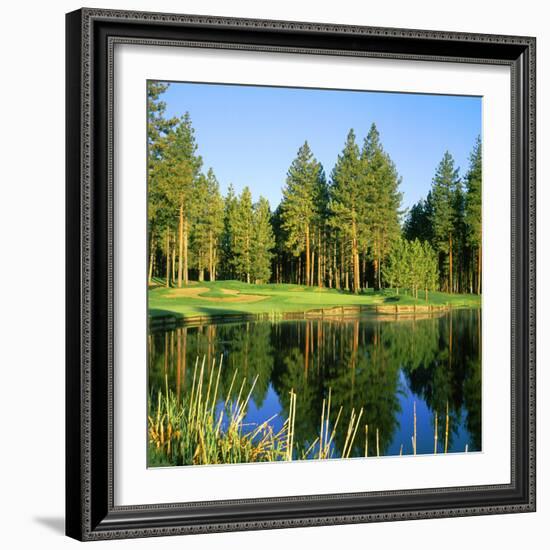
pixel 134 483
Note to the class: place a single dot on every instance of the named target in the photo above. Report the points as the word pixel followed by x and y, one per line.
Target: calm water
pixel 381 365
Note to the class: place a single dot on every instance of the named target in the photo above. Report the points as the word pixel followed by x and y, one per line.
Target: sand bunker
pixel 187 292
pixel 232 295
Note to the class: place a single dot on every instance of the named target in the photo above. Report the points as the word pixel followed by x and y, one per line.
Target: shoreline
pixel 334 313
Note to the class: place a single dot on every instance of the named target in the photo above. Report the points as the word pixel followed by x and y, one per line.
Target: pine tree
pixel 472 213
pixel 349 206
pixel 228 238
pixel 430 271
pixel 418 224
pixel 298 208
pixel 208 226
pixel 320 224
pixel 382 182
pixel 179 173
pixel 158 127
pixel 214 220
pixel 263 242
pixel 416 267
pixel 395 269
pixel 459 244
pixel 242 232
pixel 444 189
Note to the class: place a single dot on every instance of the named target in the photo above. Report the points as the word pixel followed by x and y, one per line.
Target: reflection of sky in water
pixel 271 405
pixel 424 426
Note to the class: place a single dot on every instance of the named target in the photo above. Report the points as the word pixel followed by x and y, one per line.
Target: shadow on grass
pixel 160 313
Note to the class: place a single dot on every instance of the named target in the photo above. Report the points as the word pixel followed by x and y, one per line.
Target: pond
pixel 398 372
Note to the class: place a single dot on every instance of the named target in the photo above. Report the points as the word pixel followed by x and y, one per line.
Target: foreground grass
pixel 195 429
pixel 234 297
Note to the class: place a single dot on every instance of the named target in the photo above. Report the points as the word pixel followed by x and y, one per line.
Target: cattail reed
pixel 414 428
pixel 435 433
pixel 447 428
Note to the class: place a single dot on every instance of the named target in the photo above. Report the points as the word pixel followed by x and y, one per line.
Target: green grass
pixel 283 298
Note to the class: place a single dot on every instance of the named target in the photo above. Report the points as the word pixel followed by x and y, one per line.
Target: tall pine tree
pixel 349 206
pixel 263 242
pixel 472 213
pixel 242 231
pixel 158 127
pixel 298 208
pixel 382 182
pixel 179 174
pixel 444 192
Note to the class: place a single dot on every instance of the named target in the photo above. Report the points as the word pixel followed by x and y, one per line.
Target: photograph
pixel 314 275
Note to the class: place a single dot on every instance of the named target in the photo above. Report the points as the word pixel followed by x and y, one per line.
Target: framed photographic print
pixel 300 274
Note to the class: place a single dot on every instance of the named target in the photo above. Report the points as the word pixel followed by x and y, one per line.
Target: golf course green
pixel 234 297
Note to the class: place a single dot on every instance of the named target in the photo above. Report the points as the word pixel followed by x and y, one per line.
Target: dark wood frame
pixel 90 510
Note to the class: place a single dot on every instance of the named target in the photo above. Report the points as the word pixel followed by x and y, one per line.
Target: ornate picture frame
pixel 91 512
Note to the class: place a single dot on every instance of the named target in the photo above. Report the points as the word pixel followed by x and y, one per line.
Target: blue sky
pixel 249 135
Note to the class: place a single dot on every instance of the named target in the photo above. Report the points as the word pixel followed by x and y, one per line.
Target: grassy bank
pixel 234 297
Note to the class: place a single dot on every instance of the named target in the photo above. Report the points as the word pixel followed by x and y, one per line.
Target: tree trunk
pixel 375 262
pixel 151 256
pixel 307 256
pixel 312 276
pixel 335 268
pixel 248 259
pixel 364 283
pixel 180 241
pixel 379 263
pixel 174 264
pixel 211 256
pixel 345 272
pixel 356 271
pixel 185 255
pixel 200 268
pixel 479 269
pixel 320 260
pixel 167 258
pixel 214 263
pixel 355 258
pixel 450 264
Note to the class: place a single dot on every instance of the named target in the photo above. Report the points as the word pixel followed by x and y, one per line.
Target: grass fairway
pixel 234 297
